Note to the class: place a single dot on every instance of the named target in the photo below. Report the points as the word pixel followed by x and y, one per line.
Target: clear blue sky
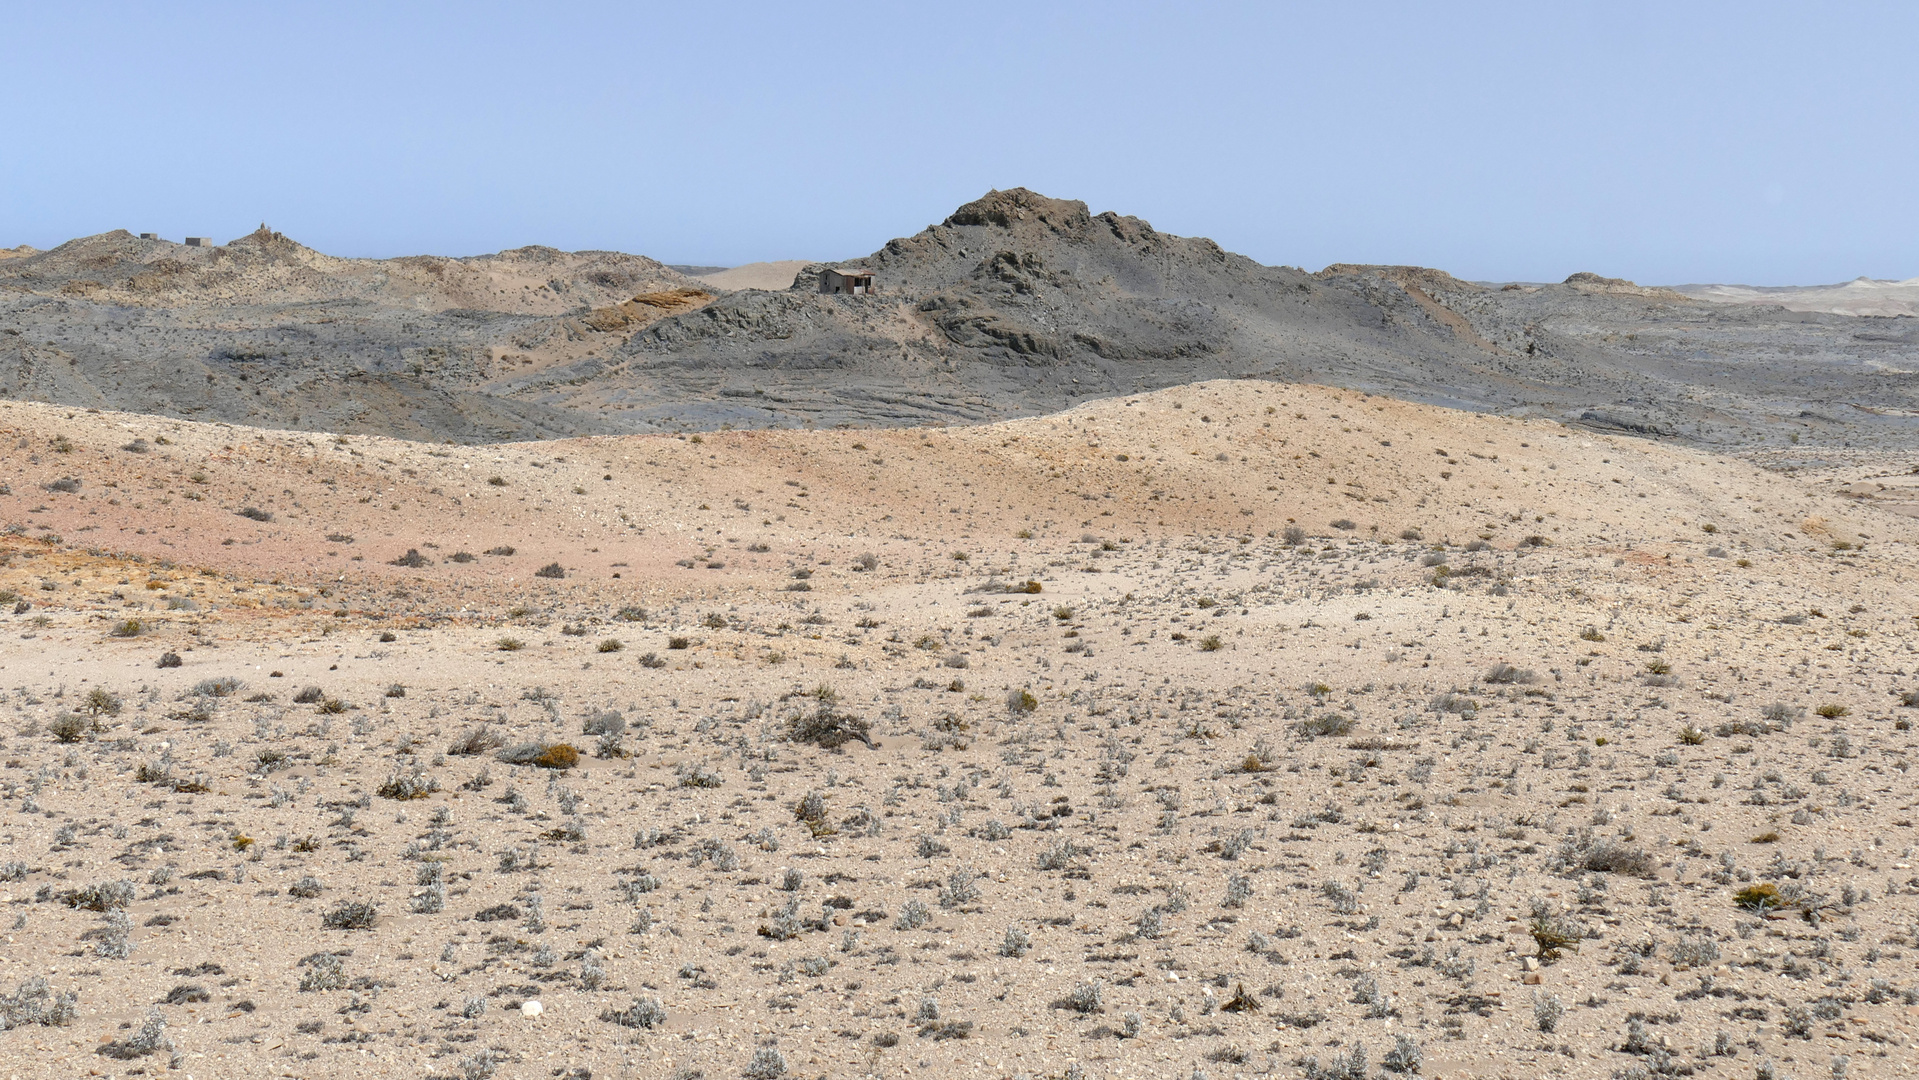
pixel 1757 143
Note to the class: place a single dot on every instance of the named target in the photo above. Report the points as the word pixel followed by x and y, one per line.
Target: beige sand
pixel 1403 730
pixel 773 276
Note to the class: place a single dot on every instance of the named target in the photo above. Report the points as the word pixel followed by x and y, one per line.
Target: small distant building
pixel 199 241
pixel 149 236
pixel 846 282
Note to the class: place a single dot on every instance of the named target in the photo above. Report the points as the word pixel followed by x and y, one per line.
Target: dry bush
pixel 829 728
pixel 34 1004
pixel 100 896
pixel 644 1014
pixel 477 740
pixel 609 722
pixel 1507 674
pixel 351 915
pixel 224 686
pixel 1325 724
pixel 69 727
pixel 1611 857
pixel 410 785
pixel 1555 934
pixel 542 754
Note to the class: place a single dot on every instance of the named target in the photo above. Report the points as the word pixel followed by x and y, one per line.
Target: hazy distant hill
pixel 1860 296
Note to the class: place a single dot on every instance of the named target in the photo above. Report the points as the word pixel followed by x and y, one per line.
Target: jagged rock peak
pixel 268 242
pixel 1004 208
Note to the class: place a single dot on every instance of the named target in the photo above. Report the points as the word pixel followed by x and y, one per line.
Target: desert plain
pixel 1240 728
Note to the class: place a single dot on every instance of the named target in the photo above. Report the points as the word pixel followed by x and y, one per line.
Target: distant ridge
pixel 1014 304
pixel 1861 296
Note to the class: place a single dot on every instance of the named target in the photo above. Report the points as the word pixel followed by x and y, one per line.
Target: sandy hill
pixel 1861 296
pixel 1222 457
pixel 772 276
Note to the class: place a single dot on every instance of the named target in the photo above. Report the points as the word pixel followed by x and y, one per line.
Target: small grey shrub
pixel 1238 891
pixel 351 915
pixel 767 1064
pixel 644 1014
pixel 912 916
pixel 1086 997
pixel 1345 900
pixel 960 888
pixel 1017 942
pixel 33 1003
pixel 151 1038
pixel 1694 951
pixel 1404 1057
pixel 114 943
pixel 1547 1009
pixel 101 896
pixel 1059 856
pixel 325 971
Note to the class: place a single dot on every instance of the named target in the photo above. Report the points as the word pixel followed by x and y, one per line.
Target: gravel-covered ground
pixel 1241 729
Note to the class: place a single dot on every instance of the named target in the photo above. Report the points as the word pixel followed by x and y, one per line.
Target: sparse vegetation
pixel 1212 789
pixel 351 915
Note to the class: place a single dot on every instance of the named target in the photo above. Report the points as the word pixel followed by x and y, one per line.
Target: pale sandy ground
pixel 773 276
pixel 1860 296
pixel 1176 644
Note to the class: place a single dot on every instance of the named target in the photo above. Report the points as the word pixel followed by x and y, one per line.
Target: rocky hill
pixel 265 330
pixel 1015 304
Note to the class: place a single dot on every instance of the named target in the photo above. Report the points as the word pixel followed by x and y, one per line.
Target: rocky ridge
pixel 1015 304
